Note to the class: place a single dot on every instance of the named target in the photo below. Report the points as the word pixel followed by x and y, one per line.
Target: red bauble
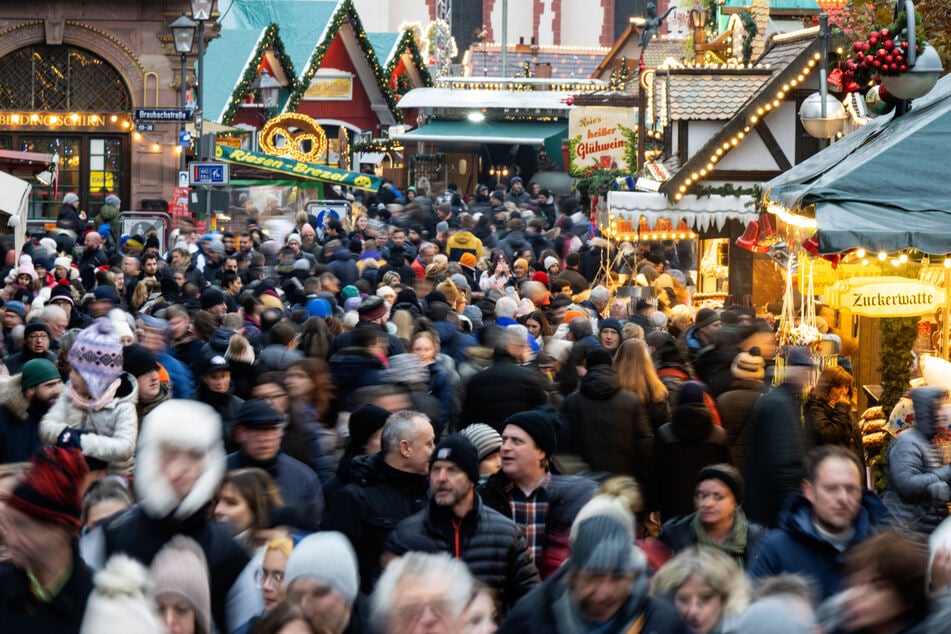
pixel 888 44
pixel 893 67
pixel 904 45
pixel 857 47
pixel 903 68
pixel 884 32
pixel 859 57
pixel 877 64
pixel 881 53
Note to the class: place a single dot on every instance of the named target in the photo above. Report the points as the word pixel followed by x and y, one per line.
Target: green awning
pixel 508 132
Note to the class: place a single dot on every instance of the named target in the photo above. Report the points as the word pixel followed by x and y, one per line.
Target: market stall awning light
pixel 476 116
pixel 790 218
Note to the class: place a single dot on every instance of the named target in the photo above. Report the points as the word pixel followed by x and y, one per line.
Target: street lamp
pixel 183 35
pixel 268 87
pixel 821 114
pixel 201 13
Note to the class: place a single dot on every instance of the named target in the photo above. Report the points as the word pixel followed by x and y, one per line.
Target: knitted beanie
pixel 717 472
pixel 468 259
pixel 372 308
pixel 611 323
pixel 406 369
pixel 118 602
pixel 328 558
pixel 457 449
pixel 52 489
pixel 541 424
pixel 211 296
pixel 365 421
pixel 37 371
pixel 604 544
pixel 349 291
pixel 97 356
pixel 70 199
pixel 550 261
pixel 486 440
pixel 705 317
pixel 64 261
pixel 180 570
pixel 26 266
pixel 138 360
pixel 319 307
pixel 748 365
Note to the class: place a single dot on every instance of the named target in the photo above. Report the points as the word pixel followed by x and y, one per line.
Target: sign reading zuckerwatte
pixel 597 137
pixel 300 169
pixel 885 296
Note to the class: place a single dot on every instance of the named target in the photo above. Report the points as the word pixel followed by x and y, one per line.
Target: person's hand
pixel 941 569
pixel 69 438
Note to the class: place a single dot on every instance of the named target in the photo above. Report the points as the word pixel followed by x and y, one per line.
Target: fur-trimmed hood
pixel 184 424
pixel 11 397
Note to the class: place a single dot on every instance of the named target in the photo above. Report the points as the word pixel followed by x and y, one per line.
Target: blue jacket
pixel 796 546
pixel 183 385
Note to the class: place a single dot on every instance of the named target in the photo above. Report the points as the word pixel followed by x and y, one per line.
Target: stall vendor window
pixel 105 171
pixel 45 199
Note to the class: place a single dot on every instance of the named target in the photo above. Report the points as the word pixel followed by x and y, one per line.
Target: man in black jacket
pixel 24 400
pixel 456 522
pixel 602 588
pixel 386 488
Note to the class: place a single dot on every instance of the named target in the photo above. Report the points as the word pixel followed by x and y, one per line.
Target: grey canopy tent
pixel 885 187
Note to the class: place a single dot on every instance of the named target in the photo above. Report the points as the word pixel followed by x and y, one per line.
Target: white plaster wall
pixel 699 132
pixel 519 20
pixel 581 22
pixel 750 154
pixel 385 16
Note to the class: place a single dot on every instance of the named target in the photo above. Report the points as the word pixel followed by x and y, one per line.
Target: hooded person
pixel 45 585
pixel 96 413
pixel 601 588
pixel 917 481
pixel 180 462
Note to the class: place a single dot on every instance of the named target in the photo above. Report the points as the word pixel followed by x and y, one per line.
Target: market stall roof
pixel 464 131
pixel 884 187
pixel 699 212
pixel 452 99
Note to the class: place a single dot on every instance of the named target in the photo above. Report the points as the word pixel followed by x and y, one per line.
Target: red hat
pixel 52 489
pixel 540 276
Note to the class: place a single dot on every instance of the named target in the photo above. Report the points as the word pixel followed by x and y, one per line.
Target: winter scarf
pixel 735 543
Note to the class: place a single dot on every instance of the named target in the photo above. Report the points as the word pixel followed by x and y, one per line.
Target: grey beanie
pixel 326 557
pixel 486 440
pixel 779 614
pixel 605 544
pixel 474 313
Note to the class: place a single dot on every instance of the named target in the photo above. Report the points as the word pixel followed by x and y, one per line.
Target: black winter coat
pixel 345 340
pixel 735 407
pixel 683 447
pixel 492 546
pixel 366 510
pixel 299 485
pixel 227 406
pixel 608 427
pixel 777 445
pixel 500 391
pixel 141 537
pixel 827 425
pixel 535 613
pixel 23 613
pixel 677 534
pixel 566 495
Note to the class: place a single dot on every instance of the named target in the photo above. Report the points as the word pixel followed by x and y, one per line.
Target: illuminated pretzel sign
pixel 297 131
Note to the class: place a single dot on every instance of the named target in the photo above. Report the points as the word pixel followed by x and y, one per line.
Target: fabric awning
pixel 884 187
pixel 509 132
pixel 700 213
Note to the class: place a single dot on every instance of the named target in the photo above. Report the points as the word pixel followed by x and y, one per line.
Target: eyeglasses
pixel 272 397
pixel 262 575
pixel 36 336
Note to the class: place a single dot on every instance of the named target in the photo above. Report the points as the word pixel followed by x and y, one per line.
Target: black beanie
pixel 256 412
pixel 457 449
pixel 541 424
pixel 138 360
pixel 364 422
pixel 211 296
pixel 732 480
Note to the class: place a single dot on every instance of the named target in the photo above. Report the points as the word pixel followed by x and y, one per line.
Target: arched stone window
pixel 61 78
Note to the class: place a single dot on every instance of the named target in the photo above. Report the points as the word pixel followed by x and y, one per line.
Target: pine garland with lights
pixel 346 13
pixel 750 30
pixel 706 191
pixel 620 76
pixel 271 41
pixel 378 145
pixel 895 358
pixel 630 147
pixel 408 44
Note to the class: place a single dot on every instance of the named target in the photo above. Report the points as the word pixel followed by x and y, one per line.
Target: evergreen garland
pixel 750 31
pixel 895 358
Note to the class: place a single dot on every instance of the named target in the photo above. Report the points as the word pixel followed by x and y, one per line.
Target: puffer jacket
pixel 735 407
pixel 797 547
pixel 492 546
pixel 682 448
pixel 608 426
pixel 19 425
pixel 461 242
pixel 377 499
pixel 916 481
pixel 566 495
pixel 827 425
pixel 108 434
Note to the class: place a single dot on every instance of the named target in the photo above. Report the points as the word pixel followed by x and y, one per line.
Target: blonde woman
pixel 707 587
pixel 636 373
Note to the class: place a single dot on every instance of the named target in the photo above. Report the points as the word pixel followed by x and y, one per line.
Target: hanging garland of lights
pixel 408 44
pixel 378 145
pixel 271 41
pixel 701 191
pixel 346 14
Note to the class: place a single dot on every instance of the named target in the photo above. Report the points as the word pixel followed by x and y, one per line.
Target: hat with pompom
pixel 97 356
pixel 52 488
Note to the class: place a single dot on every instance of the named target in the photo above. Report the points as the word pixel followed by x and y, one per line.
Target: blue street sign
pixel 144 127
pixel 163 114
pixel 209 174
pixel 185 138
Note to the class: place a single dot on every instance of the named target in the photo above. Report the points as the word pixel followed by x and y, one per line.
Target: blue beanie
pixel 104 230
pixel 319 307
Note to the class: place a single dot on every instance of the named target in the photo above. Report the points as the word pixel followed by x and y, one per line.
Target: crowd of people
pixel 430 416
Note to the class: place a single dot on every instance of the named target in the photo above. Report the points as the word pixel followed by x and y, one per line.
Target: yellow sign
pixel 598 137
pixel 330 88
pixel 100 180
pixel 890 296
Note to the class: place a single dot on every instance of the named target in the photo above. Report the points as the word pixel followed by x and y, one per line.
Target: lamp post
pixel 201 13
pixel 183 35
pixel 269 89
pixel 821 114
